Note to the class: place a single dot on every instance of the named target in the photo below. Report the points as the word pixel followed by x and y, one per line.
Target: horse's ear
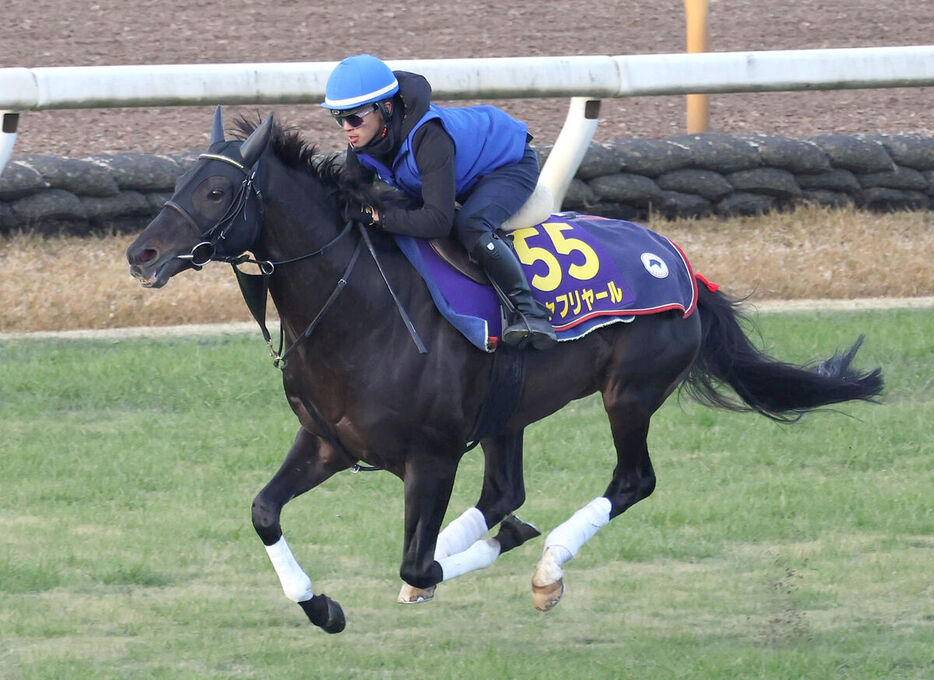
pixel 217 132
pixel 256 143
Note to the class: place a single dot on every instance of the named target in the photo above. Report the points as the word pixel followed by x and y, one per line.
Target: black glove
pixel 361 213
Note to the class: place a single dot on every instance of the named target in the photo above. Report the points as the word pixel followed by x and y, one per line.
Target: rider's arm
pixel 434 155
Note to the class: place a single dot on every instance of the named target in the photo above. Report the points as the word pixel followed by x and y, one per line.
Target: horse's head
pixel 214 214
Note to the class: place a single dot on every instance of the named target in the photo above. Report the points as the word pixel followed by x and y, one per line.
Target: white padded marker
pixel 566 539
pixel 296 584
pixel 460 534
pixel 478 556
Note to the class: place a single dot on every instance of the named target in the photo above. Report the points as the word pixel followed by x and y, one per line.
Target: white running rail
pixel 581 77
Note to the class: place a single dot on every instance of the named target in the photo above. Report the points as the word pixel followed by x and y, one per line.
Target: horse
pixel 362 391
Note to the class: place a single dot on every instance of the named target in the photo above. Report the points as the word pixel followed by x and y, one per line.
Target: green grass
pixel 767 551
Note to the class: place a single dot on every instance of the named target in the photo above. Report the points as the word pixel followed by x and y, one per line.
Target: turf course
pixel 767 551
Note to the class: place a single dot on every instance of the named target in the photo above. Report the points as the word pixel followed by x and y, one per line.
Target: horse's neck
pixel 300 290
pixel 286 238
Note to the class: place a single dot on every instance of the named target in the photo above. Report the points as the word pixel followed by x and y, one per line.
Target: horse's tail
pixel 773 388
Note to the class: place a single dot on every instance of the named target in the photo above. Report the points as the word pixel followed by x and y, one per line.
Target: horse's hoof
pixel 514 531
pixel 546 597
pixel 412 595
pixel 325 613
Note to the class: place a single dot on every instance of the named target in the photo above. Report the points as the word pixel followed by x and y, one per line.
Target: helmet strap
pixel 385 110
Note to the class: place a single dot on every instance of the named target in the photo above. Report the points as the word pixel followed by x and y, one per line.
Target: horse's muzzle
pixel 152 278
pixel 153 268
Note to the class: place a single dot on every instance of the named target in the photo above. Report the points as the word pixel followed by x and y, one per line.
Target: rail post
pixel 570 146
pixel 698 115
pixel 7 136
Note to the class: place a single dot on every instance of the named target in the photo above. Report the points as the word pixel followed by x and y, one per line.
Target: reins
pixel 255 292
pixel 255 289
pixel 395 298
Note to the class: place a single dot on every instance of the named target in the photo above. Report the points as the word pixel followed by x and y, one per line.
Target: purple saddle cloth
pixel 589 271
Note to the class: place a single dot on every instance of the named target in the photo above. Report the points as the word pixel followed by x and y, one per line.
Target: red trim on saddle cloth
pixel 711 286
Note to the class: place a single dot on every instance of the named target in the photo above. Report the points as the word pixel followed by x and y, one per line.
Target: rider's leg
pixel 530 321
pixel 495 198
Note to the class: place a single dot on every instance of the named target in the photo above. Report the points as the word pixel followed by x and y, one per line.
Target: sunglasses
pixel 355 117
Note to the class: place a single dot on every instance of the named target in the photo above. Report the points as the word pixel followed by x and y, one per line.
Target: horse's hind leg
pixel 633 480
pixel 461 547
pixel 309 462
pixel 644 372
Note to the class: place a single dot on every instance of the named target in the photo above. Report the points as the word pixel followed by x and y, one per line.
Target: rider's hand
pixel 365 214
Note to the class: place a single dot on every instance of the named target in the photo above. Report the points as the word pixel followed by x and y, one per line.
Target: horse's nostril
pixel 147 255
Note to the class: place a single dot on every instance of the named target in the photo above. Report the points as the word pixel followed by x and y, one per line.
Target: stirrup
pixel 521 333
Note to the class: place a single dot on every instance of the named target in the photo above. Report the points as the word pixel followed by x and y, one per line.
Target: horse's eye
pixel 215 194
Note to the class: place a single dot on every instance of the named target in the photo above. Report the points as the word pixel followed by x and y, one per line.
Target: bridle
pixel 206 250
pixel 255 287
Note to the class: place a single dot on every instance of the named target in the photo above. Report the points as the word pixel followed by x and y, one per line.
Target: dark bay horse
pixel 362 391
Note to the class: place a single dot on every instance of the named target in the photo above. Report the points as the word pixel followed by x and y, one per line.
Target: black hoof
pixel 513 532
pixel 324 613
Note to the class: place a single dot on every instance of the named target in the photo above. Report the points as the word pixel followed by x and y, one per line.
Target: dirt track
pixel 65 32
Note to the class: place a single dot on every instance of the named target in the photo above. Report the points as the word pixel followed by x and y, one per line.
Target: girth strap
pixel 507 378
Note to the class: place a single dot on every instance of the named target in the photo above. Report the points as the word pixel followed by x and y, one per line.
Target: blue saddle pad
pixel 589 271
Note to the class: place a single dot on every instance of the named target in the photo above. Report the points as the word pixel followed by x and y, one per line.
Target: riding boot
pixel 528 322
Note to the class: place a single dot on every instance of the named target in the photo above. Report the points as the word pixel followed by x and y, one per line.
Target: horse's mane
pixel 297 153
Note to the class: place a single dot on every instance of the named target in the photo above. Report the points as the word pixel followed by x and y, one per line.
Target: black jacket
pixel 434 155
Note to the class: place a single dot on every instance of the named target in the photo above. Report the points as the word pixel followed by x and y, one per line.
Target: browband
pixel 218 157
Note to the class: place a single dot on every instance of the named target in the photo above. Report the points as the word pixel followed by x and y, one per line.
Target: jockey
pixel 478 156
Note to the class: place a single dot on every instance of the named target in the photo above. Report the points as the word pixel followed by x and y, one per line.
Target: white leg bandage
pixel 568 538
pixel 460 534
pixel 478 556
pixel 295 583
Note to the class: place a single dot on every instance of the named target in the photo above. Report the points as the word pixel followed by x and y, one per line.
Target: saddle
pixel 599 271
pixel 535 210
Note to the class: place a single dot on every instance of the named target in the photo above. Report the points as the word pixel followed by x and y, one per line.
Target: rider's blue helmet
pixel 358 80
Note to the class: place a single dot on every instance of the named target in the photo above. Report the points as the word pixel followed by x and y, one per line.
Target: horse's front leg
pixel 310 461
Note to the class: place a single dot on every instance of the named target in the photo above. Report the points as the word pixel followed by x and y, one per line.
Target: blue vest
pixel 485 138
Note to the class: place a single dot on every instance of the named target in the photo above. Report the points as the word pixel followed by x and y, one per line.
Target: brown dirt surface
pixel 103 32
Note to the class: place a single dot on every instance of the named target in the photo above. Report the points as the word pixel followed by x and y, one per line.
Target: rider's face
pixel 364 134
